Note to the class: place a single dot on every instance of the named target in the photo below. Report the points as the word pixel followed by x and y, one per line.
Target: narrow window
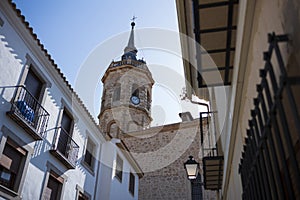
pixel 131 183
pixel 33 84
pixel 28 100
pixel 53 190
pixel 117 93
pixel 65 133
pixel 89 158
pixel 12 165
pixel 119 168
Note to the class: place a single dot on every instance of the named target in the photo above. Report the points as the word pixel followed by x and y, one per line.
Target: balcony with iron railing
pixel 28 112
pixel 270 165
pixel 212 159
pixel 136 63
pixel 64 148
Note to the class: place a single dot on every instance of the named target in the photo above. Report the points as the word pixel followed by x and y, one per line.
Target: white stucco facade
pixel 116 189
pixel 20 52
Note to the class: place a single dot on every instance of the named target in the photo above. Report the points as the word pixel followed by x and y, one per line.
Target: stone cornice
pixel 165 128
pixel 143 71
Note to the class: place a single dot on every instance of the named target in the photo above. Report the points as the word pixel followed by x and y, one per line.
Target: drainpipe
pixel 184 97
pixel 201 104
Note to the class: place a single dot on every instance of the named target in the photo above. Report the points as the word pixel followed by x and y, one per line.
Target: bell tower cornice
pixel 138 66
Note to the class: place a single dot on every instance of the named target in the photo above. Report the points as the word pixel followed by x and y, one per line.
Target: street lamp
pixel 192 168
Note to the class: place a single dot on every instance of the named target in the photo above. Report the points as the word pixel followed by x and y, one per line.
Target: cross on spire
pixel 130 49
pixel 133 18
pixel 132 23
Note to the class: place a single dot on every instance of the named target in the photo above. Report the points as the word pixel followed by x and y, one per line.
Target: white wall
pixel 109 186
pixel 15 44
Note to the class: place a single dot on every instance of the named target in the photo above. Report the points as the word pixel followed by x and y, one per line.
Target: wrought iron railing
pixel 136 63
pixel 28 112
pixel 211 159
pixel 269 167
pixel 208 136
pixel 65 148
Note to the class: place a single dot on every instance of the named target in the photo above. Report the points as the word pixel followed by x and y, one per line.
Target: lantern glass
pixel 192 168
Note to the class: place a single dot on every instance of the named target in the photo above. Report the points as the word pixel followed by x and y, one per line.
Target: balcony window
pixel 26 108
pixel 28 113
pixel 64 147
pixel 66 133
pixel 33 84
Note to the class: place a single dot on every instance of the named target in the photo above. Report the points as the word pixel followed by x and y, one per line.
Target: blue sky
pixel 72 31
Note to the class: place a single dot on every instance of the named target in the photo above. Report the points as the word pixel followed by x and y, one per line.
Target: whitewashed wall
pixel 16 45
pixel 110 187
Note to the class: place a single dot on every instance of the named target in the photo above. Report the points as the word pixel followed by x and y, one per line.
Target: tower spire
pixel 130 50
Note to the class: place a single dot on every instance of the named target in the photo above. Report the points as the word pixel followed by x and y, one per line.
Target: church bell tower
pixel 127 93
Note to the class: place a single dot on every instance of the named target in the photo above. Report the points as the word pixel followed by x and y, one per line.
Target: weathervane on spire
pixel 132 19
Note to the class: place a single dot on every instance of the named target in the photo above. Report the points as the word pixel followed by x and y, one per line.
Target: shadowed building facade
pixel 254 45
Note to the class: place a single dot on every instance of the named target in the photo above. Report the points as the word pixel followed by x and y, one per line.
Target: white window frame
pixel 82 191
pixel 51 167
pixel 31 64
pixel 91 169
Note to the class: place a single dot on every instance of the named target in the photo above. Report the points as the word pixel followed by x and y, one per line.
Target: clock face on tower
pixel 135 100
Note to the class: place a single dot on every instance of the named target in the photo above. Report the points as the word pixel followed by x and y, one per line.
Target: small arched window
pixel 135 90
pixel 113 130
